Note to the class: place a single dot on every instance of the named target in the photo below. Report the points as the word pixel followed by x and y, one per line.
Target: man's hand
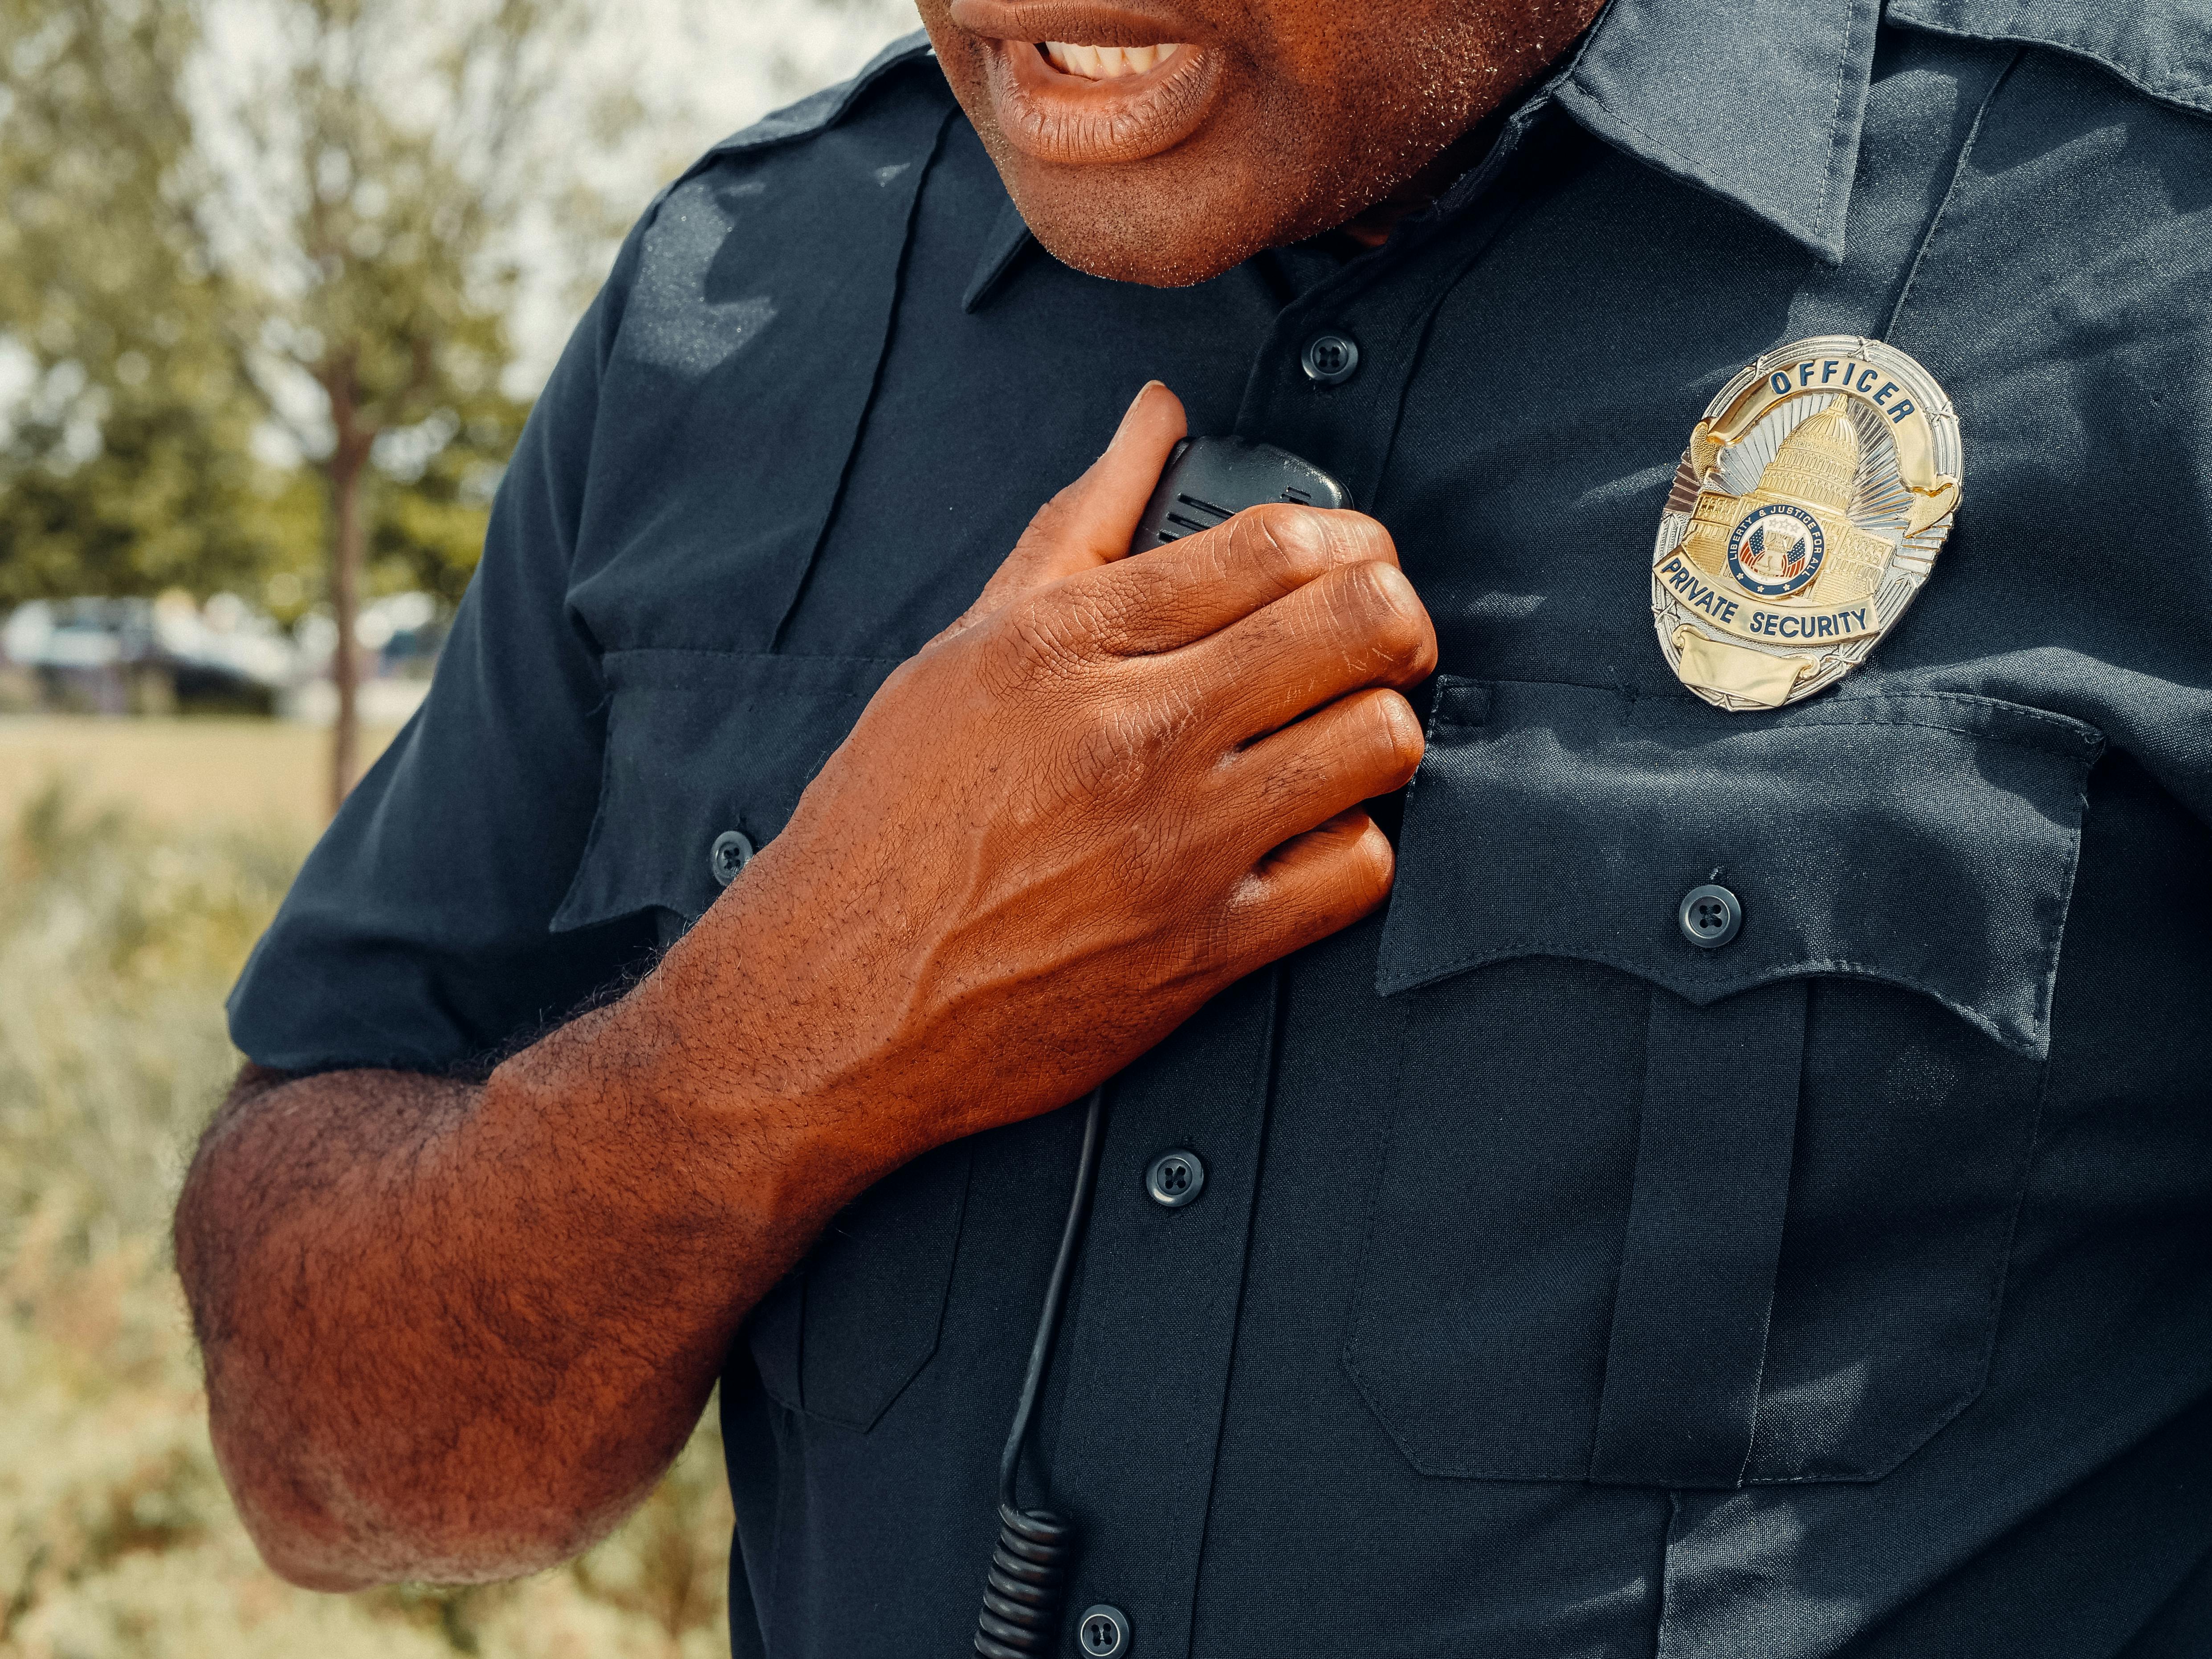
pixel 453 1333
pixel 1113 787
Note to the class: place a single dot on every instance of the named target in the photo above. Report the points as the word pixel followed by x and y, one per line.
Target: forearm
pixel 454 1331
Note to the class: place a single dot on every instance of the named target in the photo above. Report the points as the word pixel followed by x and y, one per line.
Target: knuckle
pixel 1322 537
pixel 1031 645
pixel 1373 864
pixel 1291 543
pixel 1363 537
pixel 1375 743
pixel 1388 613
pixel 1398 733
pixel 1132 593
pixel 1087 615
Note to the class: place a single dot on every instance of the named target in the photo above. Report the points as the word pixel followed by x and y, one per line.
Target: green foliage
pixel 385 157
pixel 172 499
pixel 205 265
pixel 117 1540
pixel 428 516
pixel 128 466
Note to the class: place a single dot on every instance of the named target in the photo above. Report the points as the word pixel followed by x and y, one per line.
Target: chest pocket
pixel 701 743
pixel 1767 1240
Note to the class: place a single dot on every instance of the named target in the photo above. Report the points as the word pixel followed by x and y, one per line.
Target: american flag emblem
pixel 1776 552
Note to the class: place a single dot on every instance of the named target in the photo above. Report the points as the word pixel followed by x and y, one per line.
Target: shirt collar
pixel 1763 110
pixel 1009 237
pixel 1760 105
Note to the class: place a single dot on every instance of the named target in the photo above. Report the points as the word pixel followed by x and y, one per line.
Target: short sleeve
pixel 416 936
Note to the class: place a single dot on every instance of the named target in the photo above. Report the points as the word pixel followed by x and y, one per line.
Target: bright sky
pixel 734 60
pixel 706 68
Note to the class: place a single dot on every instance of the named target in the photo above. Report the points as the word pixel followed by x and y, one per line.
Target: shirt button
pixel 1709 917
pixel 1104 1632
pixel 1329 359
pixel 1175 1178
pixel 731 853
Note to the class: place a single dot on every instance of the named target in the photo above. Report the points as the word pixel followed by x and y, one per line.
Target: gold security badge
pixel 1806 513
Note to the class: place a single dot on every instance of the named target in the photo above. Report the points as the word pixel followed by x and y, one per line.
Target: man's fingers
pixel 1365 745
pixel 1197 586
pixel 1317 885
pixel 1361 624
pixel 1090 522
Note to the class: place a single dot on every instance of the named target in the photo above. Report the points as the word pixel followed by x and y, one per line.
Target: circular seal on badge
pixel 1806 514
pixel 1775 550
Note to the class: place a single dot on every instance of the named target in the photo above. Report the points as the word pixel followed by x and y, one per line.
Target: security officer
pixel 1741 1192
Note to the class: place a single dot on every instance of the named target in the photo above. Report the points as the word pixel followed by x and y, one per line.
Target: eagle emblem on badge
pixel 1806 512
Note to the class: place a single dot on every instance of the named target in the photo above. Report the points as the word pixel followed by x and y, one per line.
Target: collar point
pixel 1825 245
pixel 1771 200
pixel 1008 241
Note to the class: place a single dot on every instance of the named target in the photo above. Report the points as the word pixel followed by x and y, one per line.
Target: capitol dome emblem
pixel 1806 514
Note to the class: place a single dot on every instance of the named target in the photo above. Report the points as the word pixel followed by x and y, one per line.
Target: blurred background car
pixel 165 656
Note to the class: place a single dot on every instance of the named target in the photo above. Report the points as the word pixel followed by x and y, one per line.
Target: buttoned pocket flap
pixel 699 743
pixel 1924 841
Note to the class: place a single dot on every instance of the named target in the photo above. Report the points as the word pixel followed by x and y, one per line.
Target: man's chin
pixel 1127 238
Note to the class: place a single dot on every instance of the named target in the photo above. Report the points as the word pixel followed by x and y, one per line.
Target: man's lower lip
pixel 1063 119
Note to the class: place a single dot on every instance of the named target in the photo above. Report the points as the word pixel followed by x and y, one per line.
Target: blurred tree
pixel 435 495
pixel 384 157
pixel 126 460
pixel 241 231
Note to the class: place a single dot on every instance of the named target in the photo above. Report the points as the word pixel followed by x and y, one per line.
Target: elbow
pixel 321 1531
pixel 303 1538
pixel 309 1568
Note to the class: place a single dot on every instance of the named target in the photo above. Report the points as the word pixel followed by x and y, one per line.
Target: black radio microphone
pixel 1207 480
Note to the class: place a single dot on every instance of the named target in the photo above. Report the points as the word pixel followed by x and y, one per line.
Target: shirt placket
pixel 1153 1336
pixel 1149 1353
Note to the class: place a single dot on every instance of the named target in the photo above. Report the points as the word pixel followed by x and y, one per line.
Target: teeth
pixel 1107 62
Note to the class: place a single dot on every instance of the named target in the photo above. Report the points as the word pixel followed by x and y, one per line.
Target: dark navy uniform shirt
pixel 1557 1287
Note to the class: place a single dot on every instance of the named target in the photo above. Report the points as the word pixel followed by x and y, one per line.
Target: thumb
pixel 1090 522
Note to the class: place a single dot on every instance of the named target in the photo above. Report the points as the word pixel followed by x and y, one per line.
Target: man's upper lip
pixel 1077 20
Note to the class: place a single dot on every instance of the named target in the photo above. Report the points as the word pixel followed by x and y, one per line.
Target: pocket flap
pixel 699 742
pixel 1925 840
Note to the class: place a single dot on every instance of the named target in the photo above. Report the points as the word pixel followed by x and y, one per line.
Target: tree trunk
pixel 346 560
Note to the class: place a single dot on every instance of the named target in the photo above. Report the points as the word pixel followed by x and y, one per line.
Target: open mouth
pixel 1106 63
pixel 1087 81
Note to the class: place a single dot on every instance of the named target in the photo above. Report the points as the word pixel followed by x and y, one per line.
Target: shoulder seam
pixel 819 112
pixel 816 112
pixel 2171 87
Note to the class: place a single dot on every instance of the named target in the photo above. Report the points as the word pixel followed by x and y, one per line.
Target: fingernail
pixel 1131 409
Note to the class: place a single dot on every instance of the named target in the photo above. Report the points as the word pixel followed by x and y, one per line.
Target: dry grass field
pixel 138 861
pixel 176 774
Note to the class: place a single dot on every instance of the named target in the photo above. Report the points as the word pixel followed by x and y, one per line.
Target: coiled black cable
pixel 1023 1590
pixel 1028 1570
